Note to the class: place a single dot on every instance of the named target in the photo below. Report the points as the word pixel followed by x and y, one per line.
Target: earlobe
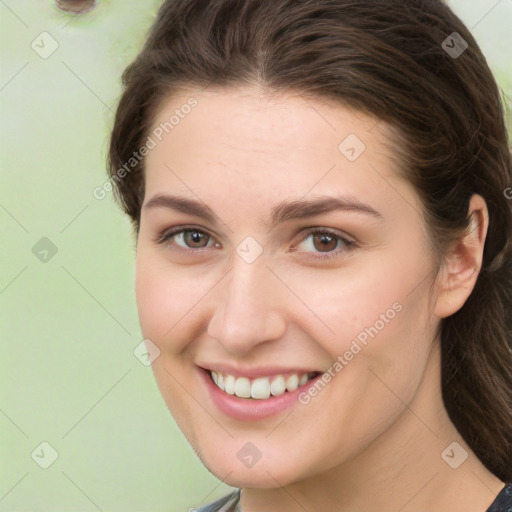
pixel 463 261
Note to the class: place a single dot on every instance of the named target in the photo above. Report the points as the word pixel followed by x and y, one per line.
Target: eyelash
pixel 165 239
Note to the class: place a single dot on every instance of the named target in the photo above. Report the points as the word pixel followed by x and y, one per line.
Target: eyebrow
pixel 283 212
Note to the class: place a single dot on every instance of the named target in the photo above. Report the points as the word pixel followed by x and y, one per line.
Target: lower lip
pixel 250 409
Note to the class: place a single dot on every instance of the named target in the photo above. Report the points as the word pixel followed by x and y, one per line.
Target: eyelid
pixel 164 237
pixel 348 242
pixel 321 229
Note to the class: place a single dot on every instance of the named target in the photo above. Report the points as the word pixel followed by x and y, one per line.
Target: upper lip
pixel 255 372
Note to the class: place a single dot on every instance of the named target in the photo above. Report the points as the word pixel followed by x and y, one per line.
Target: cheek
pixel 376 322
pixel 166 296
pixel 165 301
pixel 360 301
pixel 153 295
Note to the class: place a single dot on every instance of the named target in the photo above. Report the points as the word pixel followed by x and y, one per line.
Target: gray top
pixel 231 502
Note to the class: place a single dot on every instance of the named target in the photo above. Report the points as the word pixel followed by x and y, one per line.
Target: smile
pixel 260 388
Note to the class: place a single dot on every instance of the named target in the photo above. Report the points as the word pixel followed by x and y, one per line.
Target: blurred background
pixel 82 423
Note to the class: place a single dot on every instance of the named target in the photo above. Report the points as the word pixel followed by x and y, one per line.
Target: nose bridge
pixel 246 308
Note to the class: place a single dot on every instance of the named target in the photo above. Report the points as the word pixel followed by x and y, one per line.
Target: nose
pixel 247 309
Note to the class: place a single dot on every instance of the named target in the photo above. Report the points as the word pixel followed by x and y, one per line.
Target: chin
pixel 260 477
pixel 266 473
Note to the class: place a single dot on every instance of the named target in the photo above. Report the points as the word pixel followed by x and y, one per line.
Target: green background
pixel 68 320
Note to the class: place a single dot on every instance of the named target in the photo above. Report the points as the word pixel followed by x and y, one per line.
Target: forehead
pixel 266 143
pixel 257 120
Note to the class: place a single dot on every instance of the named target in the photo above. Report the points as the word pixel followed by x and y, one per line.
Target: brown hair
pixel 386 58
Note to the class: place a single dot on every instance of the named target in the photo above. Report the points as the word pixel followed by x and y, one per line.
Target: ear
pixel 462 263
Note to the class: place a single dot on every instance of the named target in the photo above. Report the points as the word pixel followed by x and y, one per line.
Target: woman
pixel 324 250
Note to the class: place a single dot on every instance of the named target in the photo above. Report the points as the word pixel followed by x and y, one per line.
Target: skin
pixel 372 438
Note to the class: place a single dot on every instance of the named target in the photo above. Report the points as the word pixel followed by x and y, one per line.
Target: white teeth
pixel 229 384
pixel 278 386
pixel 260 388
pixel 243 387
pixel 220 381
pixel 292 382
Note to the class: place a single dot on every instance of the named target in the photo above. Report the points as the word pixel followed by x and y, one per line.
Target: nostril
pixel 75 6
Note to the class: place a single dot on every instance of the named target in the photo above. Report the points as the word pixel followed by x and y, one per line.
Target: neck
pixel 402 470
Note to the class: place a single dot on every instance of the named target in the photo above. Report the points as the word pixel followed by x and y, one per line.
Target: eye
pixel 187 238
pixel 324 243
pixel 320 243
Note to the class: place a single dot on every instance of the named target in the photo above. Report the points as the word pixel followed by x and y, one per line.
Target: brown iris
pixel 326 242
pixel 195 237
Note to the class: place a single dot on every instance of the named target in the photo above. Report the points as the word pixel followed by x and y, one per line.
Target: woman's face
pixel 276 241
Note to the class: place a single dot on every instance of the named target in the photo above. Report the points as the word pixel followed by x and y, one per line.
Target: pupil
pixel 325 240
pixel 195 236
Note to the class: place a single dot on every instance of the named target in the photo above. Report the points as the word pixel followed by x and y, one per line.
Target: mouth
pixel 261 388
pixel 253 395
